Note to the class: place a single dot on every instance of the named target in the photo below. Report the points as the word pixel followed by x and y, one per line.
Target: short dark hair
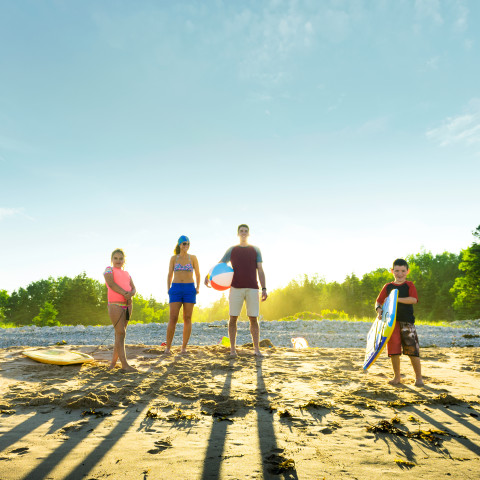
pixel 243 225
pixel 400 262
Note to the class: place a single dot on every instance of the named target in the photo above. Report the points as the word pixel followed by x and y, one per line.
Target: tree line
pixel 448 286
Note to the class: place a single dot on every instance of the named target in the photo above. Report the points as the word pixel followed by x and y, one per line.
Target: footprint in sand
pixel 20 451
pixel 160 446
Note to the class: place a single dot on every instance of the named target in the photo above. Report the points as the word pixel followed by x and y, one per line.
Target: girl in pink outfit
pixel 120 292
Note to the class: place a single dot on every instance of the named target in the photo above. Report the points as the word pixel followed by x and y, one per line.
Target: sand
pixel 306 414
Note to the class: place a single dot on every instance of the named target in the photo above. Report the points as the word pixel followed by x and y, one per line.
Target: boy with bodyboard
pixel 404 336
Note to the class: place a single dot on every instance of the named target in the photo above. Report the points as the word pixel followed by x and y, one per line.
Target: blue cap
pixel 182 239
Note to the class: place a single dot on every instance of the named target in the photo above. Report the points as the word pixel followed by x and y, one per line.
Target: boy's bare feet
pixel 167 351
pixel 395 381
pixel 258 353
pixel 233 352
pixel 419 382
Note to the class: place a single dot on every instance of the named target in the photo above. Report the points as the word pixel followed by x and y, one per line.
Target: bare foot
pixel 184 351
pixel 111 367
pixel 233 353
pixel 395 381
pixel 419 382
pixel 259 354
pixel 167 351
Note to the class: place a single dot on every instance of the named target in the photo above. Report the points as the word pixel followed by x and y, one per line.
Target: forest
pixel 448 286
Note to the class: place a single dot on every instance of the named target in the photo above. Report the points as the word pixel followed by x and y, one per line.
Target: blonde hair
pixel 117 250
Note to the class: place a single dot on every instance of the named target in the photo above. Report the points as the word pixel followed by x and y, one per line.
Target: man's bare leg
pixel 255 332
pixel 232 334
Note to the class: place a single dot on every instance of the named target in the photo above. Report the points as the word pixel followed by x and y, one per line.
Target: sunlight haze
pixel 344 133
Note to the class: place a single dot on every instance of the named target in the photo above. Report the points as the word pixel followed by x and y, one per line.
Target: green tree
pixel 466 289
pixel 148 311
pixel 81 301
pixel 353 295
pixel 24 304
pixel 218 310
pixel 3 304
pixel 46 316
pixel 371 285
pixel 434 276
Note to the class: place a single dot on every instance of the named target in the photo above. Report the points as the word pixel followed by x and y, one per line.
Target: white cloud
pixel 259 97
pixel 432 63
pixel 9 212
pixel 280 31
pixel 461 22
pixel 374 126
pixel 429 9
pixel 337 104
pixel 463 129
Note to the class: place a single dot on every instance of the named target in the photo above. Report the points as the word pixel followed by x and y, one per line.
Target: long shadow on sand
pixel 218 435
pixel 466 442
pixel 25 428
pixel 50 462
pixel 269 450
pixel 88 463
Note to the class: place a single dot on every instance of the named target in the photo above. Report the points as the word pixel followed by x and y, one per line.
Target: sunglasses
pixel 185 243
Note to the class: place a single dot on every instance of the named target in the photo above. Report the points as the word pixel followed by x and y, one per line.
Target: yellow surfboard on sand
pixel 57 356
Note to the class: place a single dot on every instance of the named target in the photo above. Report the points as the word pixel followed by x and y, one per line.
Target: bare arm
pixel 133 290
pixel 261 277
pixel 205 281
pixel 170 272
pixel 197 272
pixel 407 300
pixel 113 286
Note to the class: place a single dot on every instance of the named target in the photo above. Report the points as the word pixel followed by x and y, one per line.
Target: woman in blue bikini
pixel 182 290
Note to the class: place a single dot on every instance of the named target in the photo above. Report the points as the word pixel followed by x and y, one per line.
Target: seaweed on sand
pixel 221 417
pixel 431 435
pixel 151 414
pixel 404 463
pixel 11 412
pixel 442 399
pixel 316 404
pixel 181 415
pixel 279 464
pixel 97 413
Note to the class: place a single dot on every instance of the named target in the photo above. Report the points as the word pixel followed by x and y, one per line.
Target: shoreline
pixel 293 414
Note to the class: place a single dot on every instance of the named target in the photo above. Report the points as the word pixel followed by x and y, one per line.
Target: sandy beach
pixel 306 414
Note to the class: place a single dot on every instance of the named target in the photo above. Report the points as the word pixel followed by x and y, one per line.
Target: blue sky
pixel 345 133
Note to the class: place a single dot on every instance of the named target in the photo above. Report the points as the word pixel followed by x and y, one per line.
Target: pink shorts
pixel 404 335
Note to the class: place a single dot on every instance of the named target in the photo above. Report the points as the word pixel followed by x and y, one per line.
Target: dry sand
pixel 300 414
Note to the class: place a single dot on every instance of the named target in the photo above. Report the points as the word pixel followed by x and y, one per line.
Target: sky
pixel 345 133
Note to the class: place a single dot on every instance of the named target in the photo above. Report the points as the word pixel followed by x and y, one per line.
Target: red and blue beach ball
pixel 221 276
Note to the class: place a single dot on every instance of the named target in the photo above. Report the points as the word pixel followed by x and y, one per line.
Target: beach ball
pixel 221 276
pixel 299 342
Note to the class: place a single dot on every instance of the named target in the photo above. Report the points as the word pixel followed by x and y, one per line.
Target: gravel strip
pixel 319 333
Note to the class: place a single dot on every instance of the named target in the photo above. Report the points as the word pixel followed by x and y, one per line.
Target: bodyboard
pixel 381 330
pixel 57 356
